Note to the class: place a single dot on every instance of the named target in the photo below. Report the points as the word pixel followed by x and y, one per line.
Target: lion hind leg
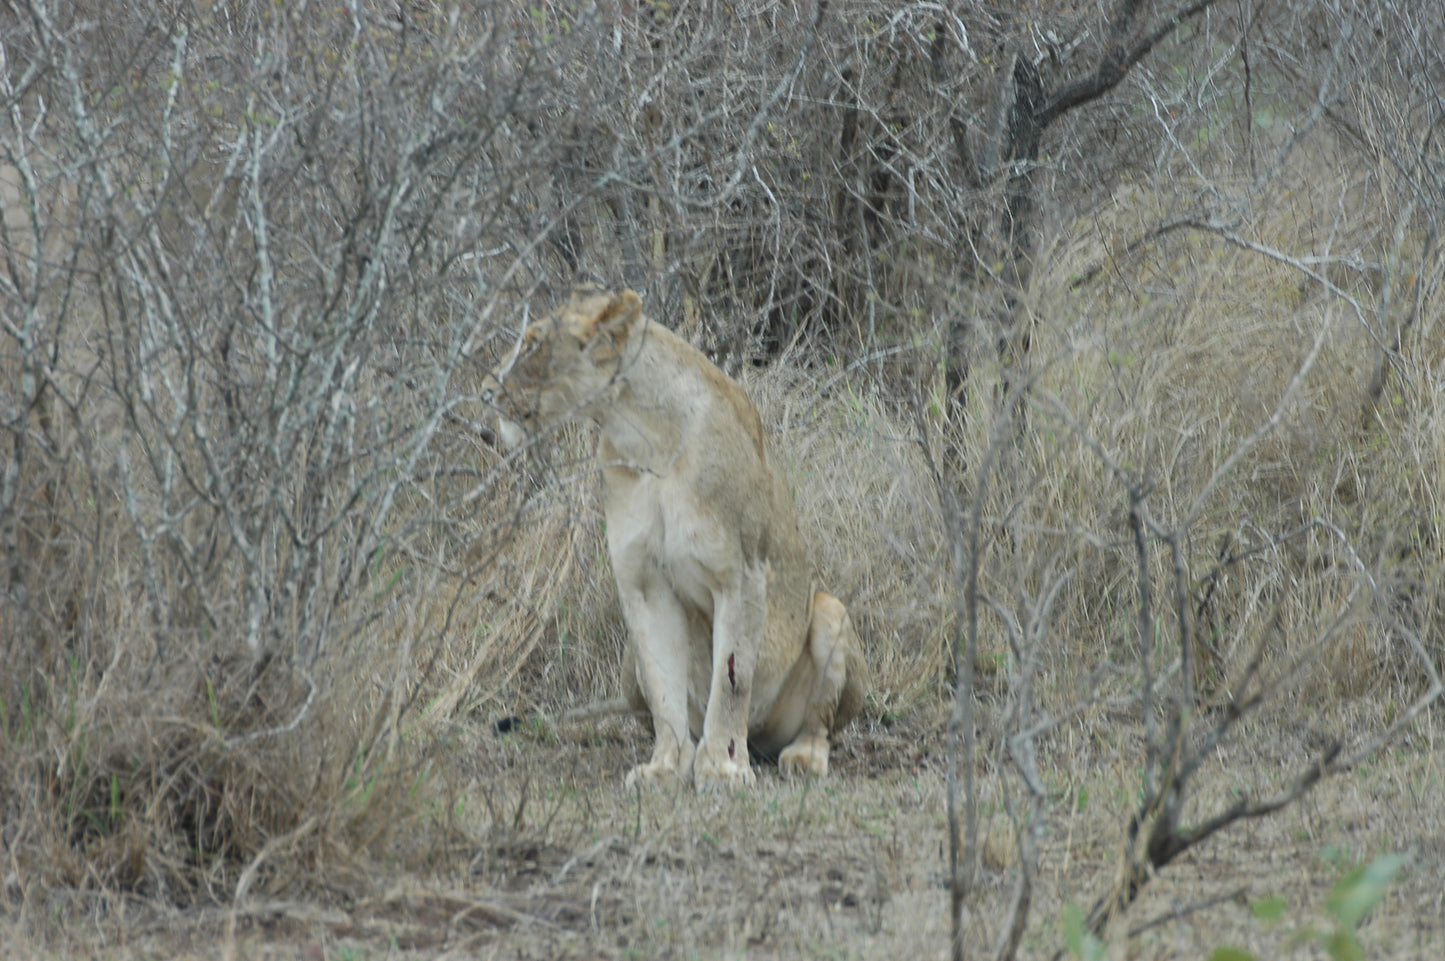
pixel 834 690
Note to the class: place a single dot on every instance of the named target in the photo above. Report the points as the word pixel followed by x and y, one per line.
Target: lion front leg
pixel 722 754
pixel 658 629
pixel 832 670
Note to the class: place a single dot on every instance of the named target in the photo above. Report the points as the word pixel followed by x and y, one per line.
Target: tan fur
pixel 730 644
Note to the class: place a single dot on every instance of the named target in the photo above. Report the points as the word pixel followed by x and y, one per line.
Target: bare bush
pixel 248 252
pixel 1248 600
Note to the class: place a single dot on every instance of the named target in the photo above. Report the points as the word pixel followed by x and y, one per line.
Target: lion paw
pixel 711 772
pixel 806 756
pixel 669 767
pixel 652 772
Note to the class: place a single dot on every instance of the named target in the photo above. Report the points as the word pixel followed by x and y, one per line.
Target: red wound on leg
pixel 732 748
pixel 732 675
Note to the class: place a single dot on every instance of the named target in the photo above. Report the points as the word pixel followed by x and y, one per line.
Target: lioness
pixel 730 643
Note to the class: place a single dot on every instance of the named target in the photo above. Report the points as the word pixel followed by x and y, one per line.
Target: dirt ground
pixel 553 859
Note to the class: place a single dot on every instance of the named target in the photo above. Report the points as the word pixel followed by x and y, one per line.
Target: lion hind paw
pixel 805 756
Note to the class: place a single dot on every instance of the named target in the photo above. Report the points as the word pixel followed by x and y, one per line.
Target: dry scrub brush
pixel 1191 503
pixel 1157 558
pixel 249 533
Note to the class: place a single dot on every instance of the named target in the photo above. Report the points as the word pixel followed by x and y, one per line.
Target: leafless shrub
pixel 1298 586
pixel 248 254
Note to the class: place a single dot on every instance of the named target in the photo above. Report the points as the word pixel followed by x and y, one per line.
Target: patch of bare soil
pixel 563 863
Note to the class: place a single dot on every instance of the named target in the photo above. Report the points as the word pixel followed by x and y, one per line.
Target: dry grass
pixel 549 859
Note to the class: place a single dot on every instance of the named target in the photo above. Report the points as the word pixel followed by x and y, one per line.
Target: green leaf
pixel 1080 942
pixel 1073 920
pixel 1356 893
pixel 1269 909
pixel 1344 946
pixel 1231 954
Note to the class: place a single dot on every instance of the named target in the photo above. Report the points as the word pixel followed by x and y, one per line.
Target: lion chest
pixel 654 526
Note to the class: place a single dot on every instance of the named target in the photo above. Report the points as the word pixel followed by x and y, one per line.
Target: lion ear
pixel 616 318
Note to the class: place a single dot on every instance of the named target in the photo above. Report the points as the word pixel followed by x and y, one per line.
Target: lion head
pixel 564 363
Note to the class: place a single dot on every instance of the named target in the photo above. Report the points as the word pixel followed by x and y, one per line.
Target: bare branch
pixel 1118 57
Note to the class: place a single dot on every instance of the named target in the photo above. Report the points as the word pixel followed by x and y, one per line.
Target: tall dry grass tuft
pixel 1170 506
pixel 1172 372
pixel 868 512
